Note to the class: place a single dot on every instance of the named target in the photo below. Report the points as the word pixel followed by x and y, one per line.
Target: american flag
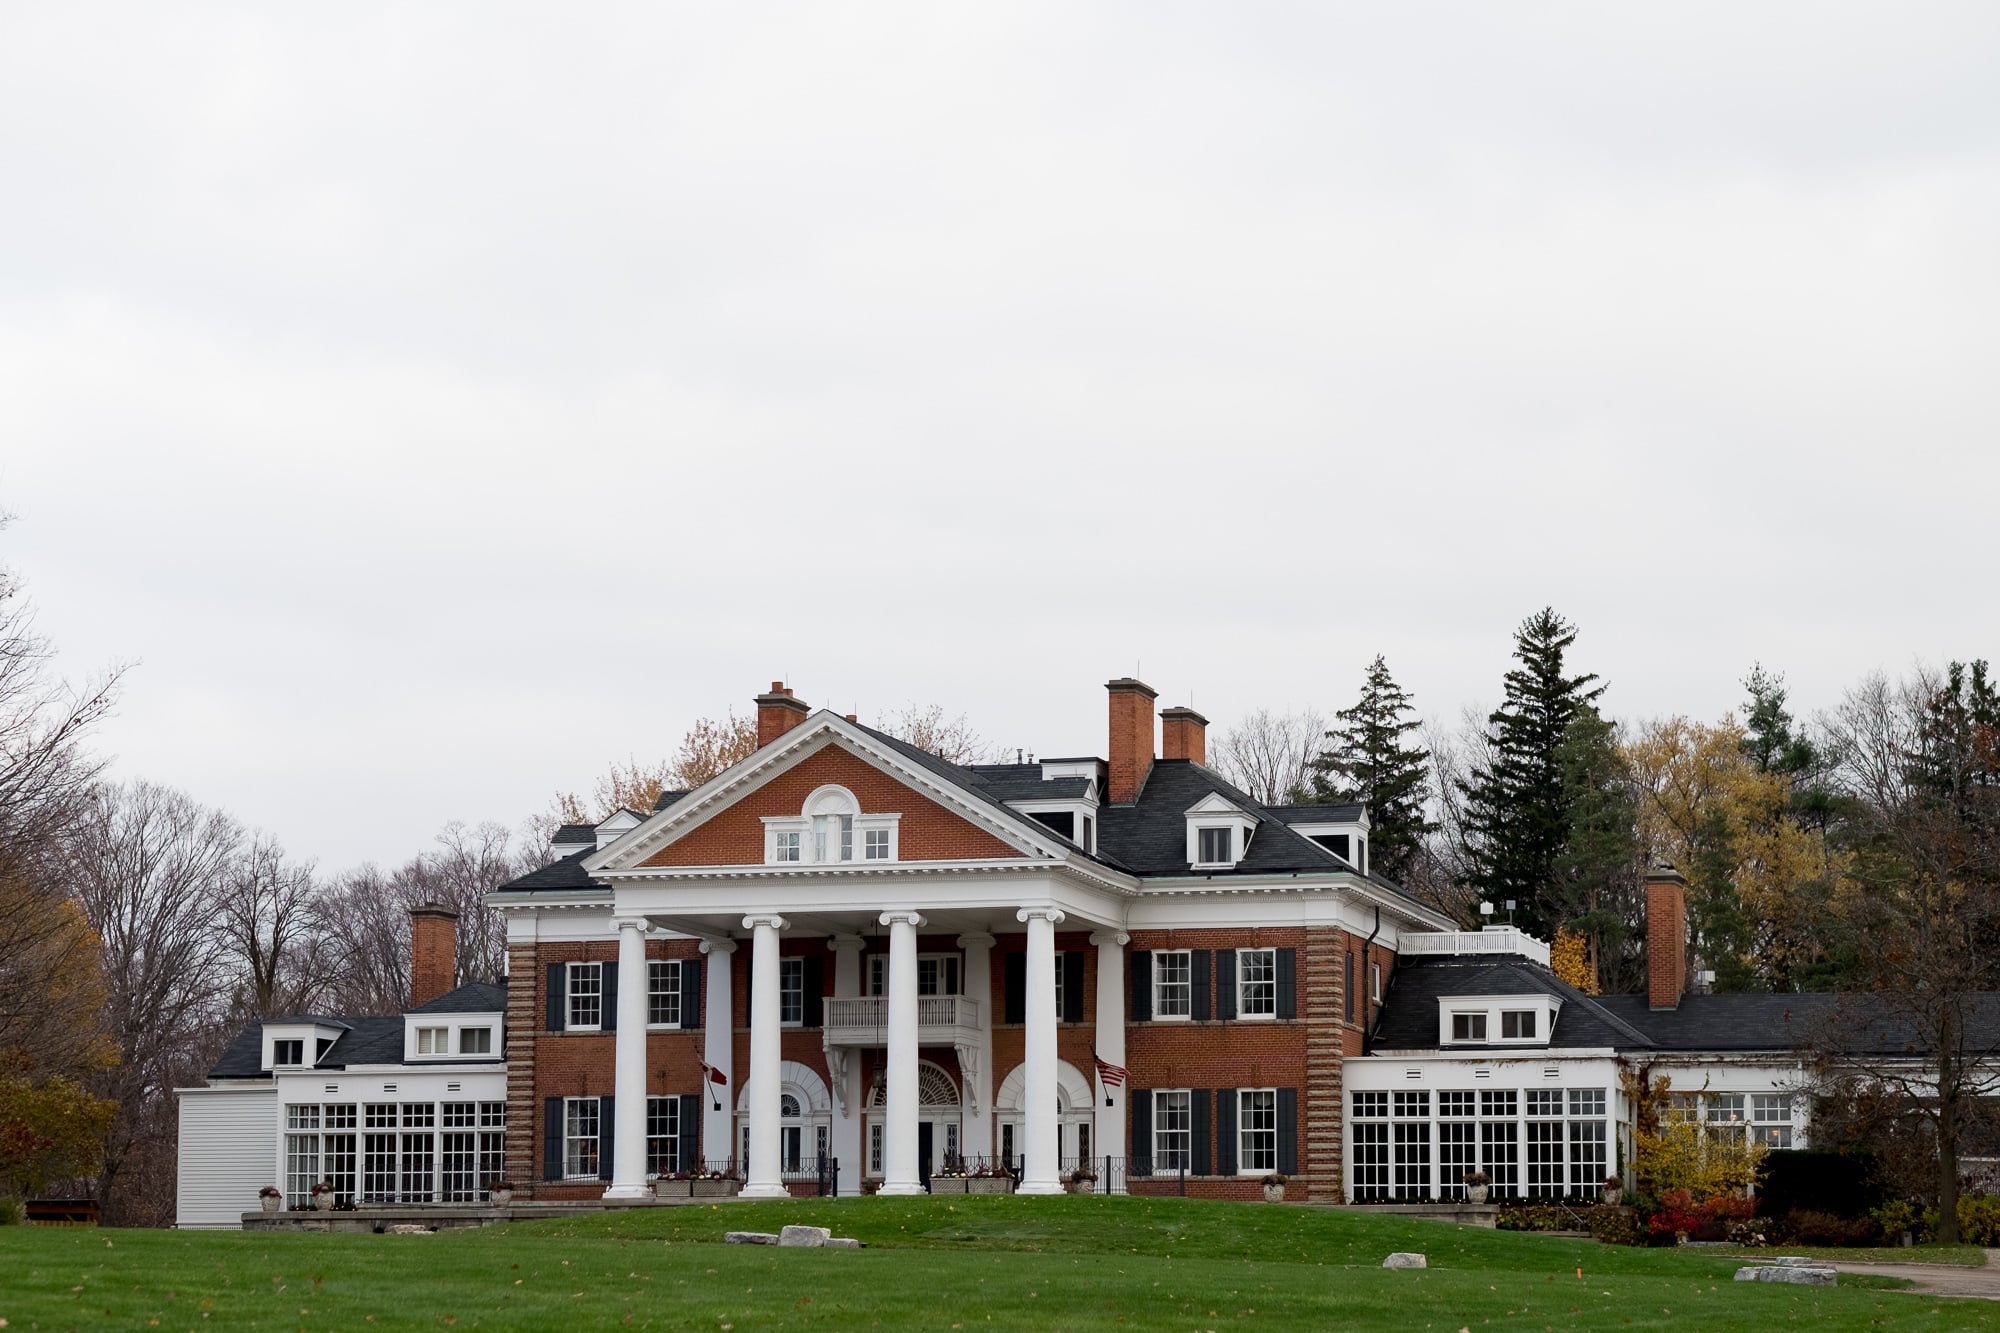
pixel 1113 1075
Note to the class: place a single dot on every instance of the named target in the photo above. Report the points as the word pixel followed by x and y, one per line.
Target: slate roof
pixel 1409 1016
pixel 375 1039
pixel 565 873
pixel 665 799
pixel 1319 814
pixel 573 833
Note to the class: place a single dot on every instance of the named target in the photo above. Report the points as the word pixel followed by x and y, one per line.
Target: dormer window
pixel 1216 846
pixel 1497 1020
pixel 829 830
pixel 433 1041
pixel 1218 833
pixel 1468 1027
pixel 292 1052
pixel 1518 1024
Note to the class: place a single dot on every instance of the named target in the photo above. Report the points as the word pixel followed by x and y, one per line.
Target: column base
pixel 628 1192
pixel 901 1188
pixel 764 1192
pixel 1040 1187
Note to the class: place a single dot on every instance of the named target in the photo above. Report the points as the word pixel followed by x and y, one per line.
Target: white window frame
pixel 484 1035
pixel 790 969
pixel 434 1041
pixel 1164 1111
pixel 1215 811
pixel 1203 835
pixel 1375 982
pixel 874 838
pixel 658 969
pixel 1534 1017
pixel 595 971
pixel 1243 985
pixel 787 847
pixel 1160 985
pixel 1466 1021
pixel 663 1146
pixel 1771 1120
pixel 573 1108
pixel 1246 1134
pixel 802 839
pixel 278 1053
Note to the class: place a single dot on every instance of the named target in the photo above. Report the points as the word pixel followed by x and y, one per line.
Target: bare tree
pixel 949 738
pixel 1269 755
pixel 267 917
pixel 367 923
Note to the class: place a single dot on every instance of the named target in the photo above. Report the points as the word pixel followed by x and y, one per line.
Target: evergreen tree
pixel 1368 762
pixel 1518 808
pixel 1768 738
pixel 1592 882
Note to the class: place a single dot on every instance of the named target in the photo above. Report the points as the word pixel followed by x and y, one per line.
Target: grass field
pixel 965 1262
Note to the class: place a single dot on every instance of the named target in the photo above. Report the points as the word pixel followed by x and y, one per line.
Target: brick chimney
pixel 433 952
pixel 1666 937
pixel 1183 735
pixel 778 712
pixel 1131 737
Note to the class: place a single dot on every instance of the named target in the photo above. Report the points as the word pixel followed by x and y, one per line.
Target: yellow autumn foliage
pixel 1680 1157
pixel 1569 959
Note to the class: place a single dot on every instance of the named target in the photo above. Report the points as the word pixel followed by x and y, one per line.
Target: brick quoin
pixel 927 831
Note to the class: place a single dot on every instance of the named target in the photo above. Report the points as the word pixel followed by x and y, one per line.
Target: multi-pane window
pixel 1588 1150
pixel 1215 845
pixel 1499 1139
pixel 1173 989
pixel 291 1052
pixel 1257 1130
pixel 833 837
pixel 475 1041
pixel 663 1135
pixel 586 995
pixel 580 1125
pixel 1683 1107
pixel 1171 1131
pixel 1544 1132
pixel 875 1150
pixel 433 1041
pixel 937 974
pixel 1517 1025
pixel 1375 982
pixel 1257 983
pixel 301 1154
pixel 1458 1142
pixel 1468 1027
pixel 663 994
pixel 1347 988
pixel 458 1152
pixel 1370 1146
pixel 1060 969
pixel 785 846
pixel 1724 1115
pixel 876 844
pixel 1412 1141
pixel 419 1150
pixel 792 991
pixel 1771 1119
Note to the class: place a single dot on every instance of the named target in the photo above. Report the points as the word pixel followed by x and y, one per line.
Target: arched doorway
pixel 805 1121
pixel 940 1119
pixel 1076 1116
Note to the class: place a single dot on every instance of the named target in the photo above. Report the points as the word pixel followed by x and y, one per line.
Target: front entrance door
pixel 924 1153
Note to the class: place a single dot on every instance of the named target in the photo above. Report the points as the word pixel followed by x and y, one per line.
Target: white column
pixel 628 1154
pixel 978 1070
pixel 1042 1141
pixel 718 1051
pixel 845 1070
pixel 767 1179
pixel 1109 1141
pixel 899 1148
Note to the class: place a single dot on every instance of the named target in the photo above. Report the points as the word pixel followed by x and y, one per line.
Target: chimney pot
pixel 1183 735
pixel 1666 937
pixel 778 712
pixel 1131 737
pixel 433 952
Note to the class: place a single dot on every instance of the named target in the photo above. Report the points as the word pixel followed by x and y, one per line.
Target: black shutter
pixel 690 992
pixel 1288 1131
pixel 1225 1131
pixel 1142 987
pixel 1225 983
pixel 607 1135
pixel 607 999
pixel 1198 1130
pixel 558 1006
pixel 690 1127
pixel 1347 988
pixel 552 1135
pixel 1142 1132
pixel 815 984
pixel 1016 1007
pixel 1288 983
pixel 1198 983
pixel 1072 966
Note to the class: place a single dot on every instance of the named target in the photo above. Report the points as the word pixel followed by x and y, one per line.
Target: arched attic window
pixel 830 830
pixel 832 811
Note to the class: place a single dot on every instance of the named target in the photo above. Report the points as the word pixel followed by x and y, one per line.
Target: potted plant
pixel 990 1179
pixel 710 1183
pixel 1080 1181
pixel 1612 1190
pixel 322 1195
pixel 1477 1183
pixel 951 1178
pixel 500 1193
pixel 271 1197
pixel 1274 1188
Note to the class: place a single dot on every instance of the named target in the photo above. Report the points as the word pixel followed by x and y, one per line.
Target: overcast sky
pixel 436 405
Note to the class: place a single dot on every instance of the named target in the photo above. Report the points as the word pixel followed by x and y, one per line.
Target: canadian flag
pixel 715 1075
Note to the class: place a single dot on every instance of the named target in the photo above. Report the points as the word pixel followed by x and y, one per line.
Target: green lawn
pixel 963 1262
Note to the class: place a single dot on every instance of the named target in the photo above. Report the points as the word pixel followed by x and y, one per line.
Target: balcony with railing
pixel 1463 943
pixel 942 1020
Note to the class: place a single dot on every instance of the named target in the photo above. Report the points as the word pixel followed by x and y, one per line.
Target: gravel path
pixel 1940 1279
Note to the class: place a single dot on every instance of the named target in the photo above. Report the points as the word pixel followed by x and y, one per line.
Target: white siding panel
pixel 228 1151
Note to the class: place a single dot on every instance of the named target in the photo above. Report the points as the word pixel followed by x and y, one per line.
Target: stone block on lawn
pixel 812 1238
pixel 1404 1259
pixel 751 1238
pixel 1799 1274
pixel 843 1243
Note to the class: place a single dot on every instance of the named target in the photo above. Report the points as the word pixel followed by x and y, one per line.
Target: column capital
pixel 1053 915
pixel 1113 937
pixel 638 923
pixel 718 946
pixel 975 939
pixel 902 919
pixel 771 919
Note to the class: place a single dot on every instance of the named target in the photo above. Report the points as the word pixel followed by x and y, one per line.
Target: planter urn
pixel 1610 1196
pixel 1274 1194
pixel 323 1202
pixel 1477 1193
pixel 501 1198
pixel 271 1203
